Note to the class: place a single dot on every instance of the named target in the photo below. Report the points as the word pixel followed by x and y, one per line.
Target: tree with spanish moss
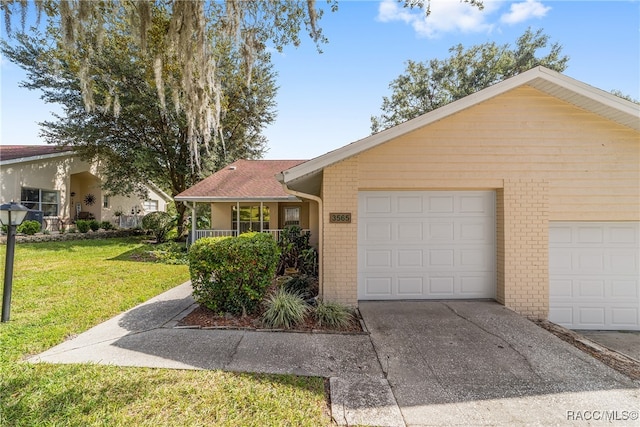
pixel 250 26
pixel 134 138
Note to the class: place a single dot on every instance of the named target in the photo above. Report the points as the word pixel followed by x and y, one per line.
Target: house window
pixel 47 201
pixel 249 218
pixel 292 216
pixel 150 205
pixel 105 202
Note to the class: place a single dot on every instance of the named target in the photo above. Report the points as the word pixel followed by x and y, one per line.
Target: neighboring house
pixel 527 192
pixel 245 196
pixel 65 188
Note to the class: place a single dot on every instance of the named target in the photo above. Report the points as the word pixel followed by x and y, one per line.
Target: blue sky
pixel 326 100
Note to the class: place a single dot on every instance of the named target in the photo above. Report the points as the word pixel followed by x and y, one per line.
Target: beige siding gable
pixel 592 165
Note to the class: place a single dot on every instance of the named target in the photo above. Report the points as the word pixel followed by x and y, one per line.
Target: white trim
pixel 534 77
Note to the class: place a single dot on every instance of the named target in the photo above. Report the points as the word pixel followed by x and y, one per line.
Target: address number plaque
pixel 340 218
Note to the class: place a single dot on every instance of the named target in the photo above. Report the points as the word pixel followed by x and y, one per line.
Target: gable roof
pixel 10 154
pixel 307 177
pixel 242 180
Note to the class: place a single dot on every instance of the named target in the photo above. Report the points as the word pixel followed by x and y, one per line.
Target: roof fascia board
pixel 581 88
pixel 36 158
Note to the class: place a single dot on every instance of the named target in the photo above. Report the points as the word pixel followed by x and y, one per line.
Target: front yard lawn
pixel 63 288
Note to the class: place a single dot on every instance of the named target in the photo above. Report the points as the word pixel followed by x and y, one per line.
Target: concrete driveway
pixel 478 363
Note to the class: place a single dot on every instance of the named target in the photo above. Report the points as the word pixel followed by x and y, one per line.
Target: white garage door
pixel 594 275
pixel 426 245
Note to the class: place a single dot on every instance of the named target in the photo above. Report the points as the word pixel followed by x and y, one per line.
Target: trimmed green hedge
pixel 232 274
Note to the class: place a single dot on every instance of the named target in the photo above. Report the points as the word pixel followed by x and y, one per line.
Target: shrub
pixel 302 285
pixel 171 253
pixel 106 225
pixel 232 274
pixel 333 314
pixel 83 225
pixel 94 225
pixel 296 252
pixel 159 223
pixel 29 227
pixel 284 309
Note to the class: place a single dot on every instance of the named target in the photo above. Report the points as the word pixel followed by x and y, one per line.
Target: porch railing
pixel 225 233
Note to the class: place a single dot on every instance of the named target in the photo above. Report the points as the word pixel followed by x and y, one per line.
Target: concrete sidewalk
pixel 146 336
pixel 424 362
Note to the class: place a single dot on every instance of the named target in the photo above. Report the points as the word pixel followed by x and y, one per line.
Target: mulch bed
pixel 204 318
pixel 620 362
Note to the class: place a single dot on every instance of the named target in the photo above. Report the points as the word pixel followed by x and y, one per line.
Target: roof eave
pixel 36 158
pixel 209 199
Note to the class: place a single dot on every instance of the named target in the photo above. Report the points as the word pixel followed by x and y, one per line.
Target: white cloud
pixel 451 16
pixel 446 16
pixel 520 12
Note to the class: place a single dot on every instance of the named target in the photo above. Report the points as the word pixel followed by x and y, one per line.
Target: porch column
pixel 193 222
pixel 237 218
pixel 261 207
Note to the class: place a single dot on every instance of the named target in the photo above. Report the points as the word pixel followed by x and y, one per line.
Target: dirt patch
pixel 613 359
pixel 204 318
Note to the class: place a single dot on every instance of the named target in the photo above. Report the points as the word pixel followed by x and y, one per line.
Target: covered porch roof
pixel 242 181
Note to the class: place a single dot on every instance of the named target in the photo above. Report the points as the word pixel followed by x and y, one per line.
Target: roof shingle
pixel 243 179
pixel 12 152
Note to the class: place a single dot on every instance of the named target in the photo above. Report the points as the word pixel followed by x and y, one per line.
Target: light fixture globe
pixel 14 212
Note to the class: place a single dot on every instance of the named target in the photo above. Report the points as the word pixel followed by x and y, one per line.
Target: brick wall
pixel 523 246
pixel 340 194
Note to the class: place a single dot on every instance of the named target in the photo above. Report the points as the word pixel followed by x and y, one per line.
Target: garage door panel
pixel 625 317
pixel 439 258
pixel 378 258
pixel 440 204
pixel 441 245
pixel 410 231
pixel 625 289
pixel 410 258
pixel 441 287
pixel 622 262
pixel 591 316
pixel 594 275
pixel 409 204
pixel 409 287
pixel 623 235
pixel 380 286
pixel 378 205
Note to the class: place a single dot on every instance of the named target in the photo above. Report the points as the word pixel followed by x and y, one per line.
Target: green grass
pixel 63 288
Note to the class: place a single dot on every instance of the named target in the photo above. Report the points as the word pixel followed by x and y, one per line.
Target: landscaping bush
pixel 296 252
pixel 83 225
pixel 333 314
pixel 106 225
pixel 159 223
pixel 232 274
pixel 94 225
pixel 284 309
pixel 302 285
pixel 29 227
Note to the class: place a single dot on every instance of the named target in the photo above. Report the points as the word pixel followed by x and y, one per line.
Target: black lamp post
pixel 11 214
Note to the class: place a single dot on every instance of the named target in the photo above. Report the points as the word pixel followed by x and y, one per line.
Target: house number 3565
pixel 344 218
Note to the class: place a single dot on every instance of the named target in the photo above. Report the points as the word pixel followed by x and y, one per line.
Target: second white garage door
pixel 426 245
pixel 594 275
